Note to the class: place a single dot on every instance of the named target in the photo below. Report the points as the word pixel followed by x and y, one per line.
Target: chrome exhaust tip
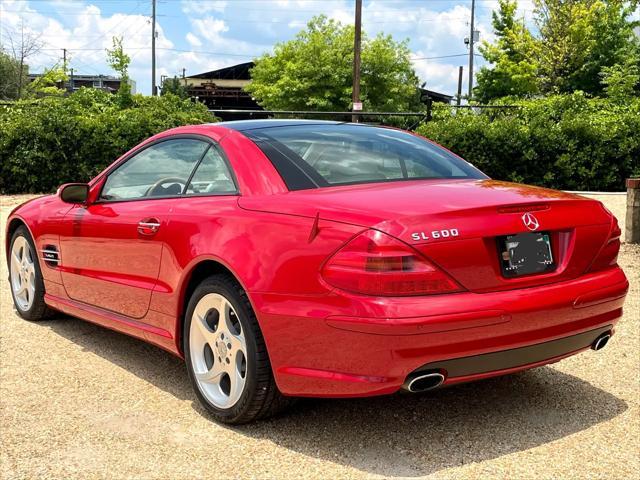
pixel 423 383
pixel 601 341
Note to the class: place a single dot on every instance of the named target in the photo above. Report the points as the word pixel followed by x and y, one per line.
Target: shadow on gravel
pixel 413 435
pixel 396 436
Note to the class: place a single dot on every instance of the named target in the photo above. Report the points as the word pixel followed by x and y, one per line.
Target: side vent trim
pixel 50 255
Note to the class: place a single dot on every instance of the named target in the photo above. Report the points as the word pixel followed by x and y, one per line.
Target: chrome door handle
pixel 148 226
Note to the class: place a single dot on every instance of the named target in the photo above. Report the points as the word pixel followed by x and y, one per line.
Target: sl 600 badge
pixel 435 234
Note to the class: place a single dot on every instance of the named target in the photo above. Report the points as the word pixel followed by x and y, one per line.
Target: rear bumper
pixel 462 369
pixel 340 345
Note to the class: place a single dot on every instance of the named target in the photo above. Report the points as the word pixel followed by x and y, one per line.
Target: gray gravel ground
pixel 80 401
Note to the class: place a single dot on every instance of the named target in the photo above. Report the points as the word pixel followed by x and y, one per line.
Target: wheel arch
pixel 13 224
pixel 196 273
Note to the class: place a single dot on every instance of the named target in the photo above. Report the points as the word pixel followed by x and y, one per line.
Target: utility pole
pixel 64 66
pixel 471 38
pixel 153 48
pixel 357 106
pixel 71 85
pixel 184 78
pixel 459 96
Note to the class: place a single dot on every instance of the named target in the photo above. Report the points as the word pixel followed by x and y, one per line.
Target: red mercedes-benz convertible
pixel 303 258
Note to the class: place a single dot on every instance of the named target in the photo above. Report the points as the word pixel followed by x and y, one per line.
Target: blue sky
pixel 202 35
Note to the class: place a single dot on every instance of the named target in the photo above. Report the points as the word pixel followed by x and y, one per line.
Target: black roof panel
pixel 233 72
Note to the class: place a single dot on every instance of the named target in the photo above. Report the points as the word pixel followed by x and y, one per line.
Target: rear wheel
pixel 25 277
pixel 226 355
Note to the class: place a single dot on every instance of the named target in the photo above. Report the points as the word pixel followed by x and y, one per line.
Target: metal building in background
pixel 223 89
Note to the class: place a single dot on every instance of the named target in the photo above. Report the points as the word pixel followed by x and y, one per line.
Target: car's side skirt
pixel 114 321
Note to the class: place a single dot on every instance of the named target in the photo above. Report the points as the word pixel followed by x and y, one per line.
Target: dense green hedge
pixel 58 140
pixel 567 141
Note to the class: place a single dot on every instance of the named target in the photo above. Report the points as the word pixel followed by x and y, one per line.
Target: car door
pixel 112 249
pixel 200 220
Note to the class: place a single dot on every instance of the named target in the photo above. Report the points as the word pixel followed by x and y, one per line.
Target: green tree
pixel 174 86
pixel 620 80
pixel 615 42
pixel 51 82
pixel 576 42
pixel 513 56
pixel 582 38
pixel 119 61
pixel 567 33
pixel 314 71
pixel 11 76
pixel 14 54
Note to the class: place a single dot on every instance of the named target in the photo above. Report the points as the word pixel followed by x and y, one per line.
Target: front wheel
pixel 25 277
pixel 226 356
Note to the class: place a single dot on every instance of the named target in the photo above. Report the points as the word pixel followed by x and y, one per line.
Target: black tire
pixel 261 397
pixel 38 309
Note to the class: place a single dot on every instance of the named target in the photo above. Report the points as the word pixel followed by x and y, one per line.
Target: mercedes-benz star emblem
pixel 530 221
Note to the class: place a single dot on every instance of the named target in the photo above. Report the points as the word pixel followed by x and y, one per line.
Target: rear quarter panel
pixel 266 252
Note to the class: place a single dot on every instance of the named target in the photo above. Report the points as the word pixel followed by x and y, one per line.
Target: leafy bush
pixel 58 140
pixel 565 141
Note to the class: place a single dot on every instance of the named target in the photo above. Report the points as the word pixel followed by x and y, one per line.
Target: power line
pixel 96 36
pixel 244 55
pixel 242 20
pixel 139 49
pixel 211 53
pixel 69 14
pixel 131 19
pixel 446 56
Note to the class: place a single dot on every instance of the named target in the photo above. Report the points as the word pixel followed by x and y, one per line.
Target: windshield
pixel 318 155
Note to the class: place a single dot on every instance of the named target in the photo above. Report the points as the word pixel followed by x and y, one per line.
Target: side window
pixel 212 176
pixel 158 171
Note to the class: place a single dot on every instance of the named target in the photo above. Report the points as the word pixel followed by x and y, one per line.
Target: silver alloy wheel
pixel 23 273
pixel 218 351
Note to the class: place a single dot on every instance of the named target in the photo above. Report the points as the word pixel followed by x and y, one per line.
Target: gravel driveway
pixel 77 400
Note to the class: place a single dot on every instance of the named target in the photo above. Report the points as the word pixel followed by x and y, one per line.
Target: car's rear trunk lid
pixel 458 224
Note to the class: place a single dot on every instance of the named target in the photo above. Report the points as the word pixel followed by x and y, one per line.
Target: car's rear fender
pixel 264 252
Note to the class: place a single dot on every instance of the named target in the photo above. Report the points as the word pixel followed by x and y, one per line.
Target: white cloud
pixel 212 30
pixel 432 30
pixel 199 7
pixel 85 37
pixel 210 27
pixel 342 15
pixel 221 33
pixel 439 76
pixel 193 40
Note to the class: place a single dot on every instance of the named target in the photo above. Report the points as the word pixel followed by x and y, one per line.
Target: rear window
pixel 312 156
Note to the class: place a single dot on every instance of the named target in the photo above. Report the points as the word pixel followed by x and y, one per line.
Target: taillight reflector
pixel 374 263
pixel 608 255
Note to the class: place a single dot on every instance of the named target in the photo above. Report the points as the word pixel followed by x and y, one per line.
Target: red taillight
pixel 373 263
pixel 608 255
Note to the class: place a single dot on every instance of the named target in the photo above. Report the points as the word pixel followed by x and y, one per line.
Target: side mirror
pixel 74 192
